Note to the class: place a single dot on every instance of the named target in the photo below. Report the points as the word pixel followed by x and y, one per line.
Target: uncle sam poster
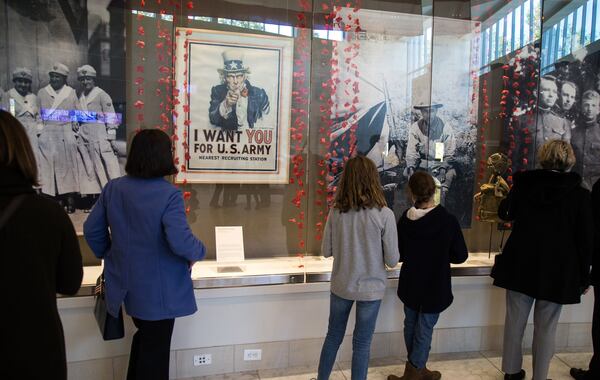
pixel 233 125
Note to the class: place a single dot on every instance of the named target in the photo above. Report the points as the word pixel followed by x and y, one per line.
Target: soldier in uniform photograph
pixel 568 99
pixel 58 146
pixel 26 108
pixel 550 125
pixel 98 126
pixel 235 103
pixel 586 139
pixel 430 147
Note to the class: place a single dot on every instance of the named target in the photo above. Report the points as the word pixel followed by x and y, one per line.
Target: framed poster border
pixel 186 37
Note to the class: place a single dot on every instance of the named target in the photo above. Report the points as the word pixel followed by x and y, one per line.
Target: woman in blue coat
pixel 148 252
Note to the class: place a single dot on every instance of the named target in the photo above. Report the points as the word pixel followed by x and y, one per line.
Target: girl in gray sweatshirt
pixel 361 235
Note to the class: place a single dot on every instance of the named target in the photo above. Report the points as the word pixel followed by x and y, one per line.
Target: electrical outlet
pixel 202 359
pixel 253 354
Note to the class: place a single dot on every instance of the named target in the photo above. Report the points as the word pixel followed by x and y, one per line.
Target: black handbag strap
pixel 99 288
pixel 13 205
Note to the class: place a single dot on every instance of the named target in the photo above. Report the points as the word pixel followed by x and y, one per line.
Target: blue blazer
pixel 148 250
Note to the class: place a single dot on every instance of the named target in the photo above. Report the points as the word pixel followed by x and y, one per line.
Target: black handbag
pixel 110 327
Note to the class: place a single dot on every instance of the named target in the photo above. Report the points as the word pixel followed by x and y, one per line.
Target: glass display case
pixel 265 101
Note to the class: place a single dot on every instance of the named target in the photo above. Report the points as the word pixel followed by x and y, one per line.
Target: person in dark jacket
pixel 430 239
pixel 547 257
pixel 594 370
pixel 149 252
pixel 40 258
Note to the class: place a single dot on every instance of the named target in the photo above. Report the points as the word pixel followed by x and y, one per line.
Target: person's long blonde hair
pixel 359 186
pixel 556 155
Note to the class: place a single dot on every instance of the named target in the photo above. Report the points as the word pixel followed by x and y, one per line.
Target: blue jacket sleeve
pixel 177 231
pixel 95 228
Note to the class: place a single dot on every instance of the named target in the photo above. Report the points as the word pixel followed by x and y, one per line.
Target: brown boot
pixel 426 374
pixel 410 373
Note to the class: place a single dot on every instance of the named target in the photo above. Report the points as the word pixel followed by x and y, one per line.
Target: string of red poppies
pixel 351 26
pixel 530 105
pixel 326 103
pixel 167 60
pixel 485 114
pixel 299 125
pixel 185 106
pixel 521 98
pixel 504 115
pixel 138 81
pixel 333 90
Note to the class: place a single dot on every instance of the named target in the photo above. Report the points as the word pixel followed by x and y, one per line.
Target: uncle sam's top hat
pixel 233 62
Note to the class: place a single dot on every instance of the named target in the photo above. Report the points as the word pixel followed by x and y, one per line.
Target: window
pixel 147 14
pixel 201 18
pixel 589 12
pixel 501 38
pixel 528 21
pixel 286 30
pixel 518 29
pixel 578 29
pixel 536 21
pixel 509 42
pixel 546 44
pixel 493 43
pixel 596 21
pixel 325 34
pixel 560 37
pixel 568 35
pixel 486 47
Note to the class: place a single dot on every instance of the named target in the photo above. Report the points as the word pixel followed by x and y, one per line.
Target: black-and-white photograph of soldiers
pixel 58 145
pixel 586 139
pixel 550 125
pixel 97 131
pixel 568 101
pixel 23 104
pixel 430 147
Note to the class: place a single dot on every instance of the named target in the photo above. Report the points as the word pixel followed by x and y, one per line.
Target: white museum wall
pixel 289 322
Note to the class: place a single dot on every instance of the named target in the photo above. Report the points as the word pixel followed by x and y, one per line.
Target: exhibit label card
pixel 439 151
pixel 230 244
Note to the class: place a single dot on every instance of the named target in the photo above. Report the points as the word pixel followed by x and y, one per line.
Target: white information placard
pixel 230 244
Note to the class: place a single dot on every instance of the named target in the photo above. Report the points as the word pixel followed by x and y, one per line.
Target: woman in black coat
pixel 41 257
pixel 547 257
